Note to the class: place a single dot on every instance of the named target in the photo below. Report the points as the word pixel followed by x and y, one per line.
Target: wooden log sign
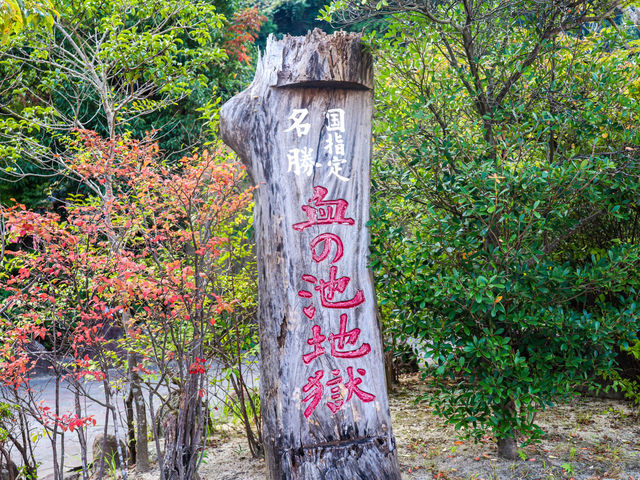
pixel 303 129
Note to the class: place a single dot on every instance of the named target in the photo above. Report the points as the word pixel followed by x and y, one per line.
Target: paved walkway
pixel 45 388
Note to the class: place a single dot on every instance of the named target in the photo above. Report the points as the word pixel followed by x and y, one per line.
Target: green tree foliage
pixel 18 14
pixel 118 67
pixel 293 17
pixel 506 216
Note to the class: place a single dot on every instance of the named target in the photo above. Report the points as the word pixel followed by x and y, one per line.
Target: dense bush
pixel 115 68
pixel 505 218
pixel 156 251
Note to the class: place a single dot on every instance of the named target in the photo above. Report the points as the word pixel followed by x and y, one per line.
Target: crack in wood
pixel 282 338
pixel 330 84
pixel 347 443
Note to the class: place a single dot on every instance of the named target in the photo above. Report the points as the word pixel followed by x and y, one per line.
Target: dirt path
pixel 589 439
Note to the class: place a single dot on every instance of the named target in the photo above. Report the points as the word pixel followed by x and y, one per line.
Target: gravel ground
pixel 590 438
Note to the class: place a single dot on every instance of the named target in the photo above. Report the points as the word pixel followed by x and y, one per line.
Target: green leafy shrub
pixel 505 218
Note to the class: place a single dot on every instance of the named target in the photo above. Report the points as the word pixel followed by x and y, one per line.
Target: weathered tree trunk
pixel 303 129
pixel 508 448
pixel 82 436
pixel 131 429
pixel 507 445
pixel 141 451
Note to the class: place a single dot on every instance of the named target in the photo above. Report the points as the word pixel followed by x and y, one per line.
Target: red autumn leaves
pixel 147 237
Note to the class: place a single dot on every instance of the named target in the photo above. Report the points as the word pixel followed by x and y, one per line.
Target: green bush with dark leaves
pixel 506 199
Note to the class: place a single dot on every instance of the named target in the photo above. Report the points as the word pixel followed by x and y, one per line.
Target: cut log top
pixel 321 60
pixel 317 60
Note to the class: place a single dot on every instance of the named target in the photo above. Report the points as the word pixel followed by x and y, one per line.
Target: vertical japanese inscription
pixel 302 160
pixel 328 388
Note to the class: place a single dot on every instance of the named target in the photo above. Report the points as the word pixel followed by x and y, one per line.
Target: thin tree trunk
pixel 105 432
pixel 9 463
pixel 156 434
pixel 131 430
pixel 82 438
pixel 57 472
pixel 116 432
pixel 141 442
pixel 507 446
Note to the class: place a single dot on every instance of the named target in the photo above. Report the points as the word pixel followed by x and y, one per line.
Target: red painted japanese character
pixel 326 239
pixel 316 395
pixel 329 288
pixel 339 340
pixel 336 394
pixel 324 212
pixel 309 311
pixel 316 342
pixel 352 386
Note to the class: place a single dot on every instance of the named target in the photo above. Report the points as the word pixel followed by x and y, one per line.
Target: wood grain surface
pixel 295 160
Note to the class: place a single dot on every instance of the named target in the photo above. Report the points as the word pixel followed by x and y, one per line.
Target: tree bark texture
pixel 303 129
